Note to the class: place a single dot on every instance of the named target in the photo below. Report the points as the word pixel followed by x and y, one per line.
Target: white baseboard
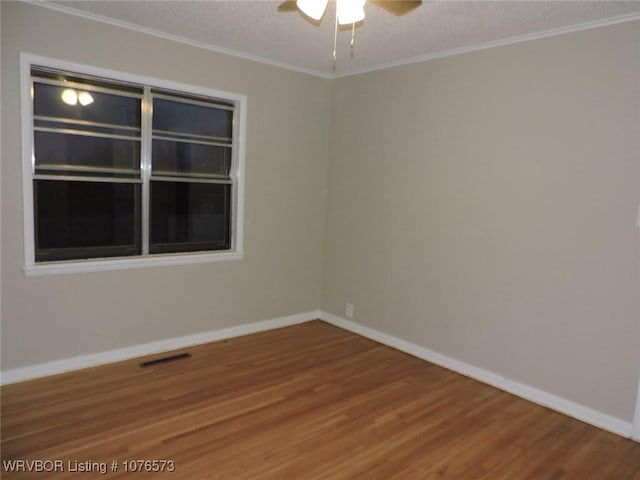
pixel 567 407
pixel 572 409
pixel 95 359
pixel 635 434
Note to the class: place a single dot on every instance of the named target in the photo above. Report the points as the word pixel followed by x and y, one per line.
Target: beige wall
pixel 481 205
pixel 484 206
pixel 62 316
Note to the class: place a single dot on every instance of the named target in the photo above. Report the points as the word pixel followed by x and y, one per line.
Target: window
pixel 190 184
pixel 124 172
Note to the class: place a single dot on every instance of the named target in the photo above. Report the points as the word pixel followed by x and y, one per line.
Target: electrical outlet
pixel 349 310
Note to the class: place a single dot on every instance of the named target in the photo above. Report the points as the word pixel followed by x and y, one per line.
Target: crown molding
pixel 174 38
pixel 605 22
pixel 334 75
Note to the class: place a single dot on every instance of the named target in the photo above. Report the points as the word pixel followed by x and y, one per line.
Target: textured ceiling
pixel 256 29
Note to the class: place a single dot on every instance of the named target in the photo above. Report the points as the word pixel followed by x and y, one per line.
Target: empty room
pixel 291 240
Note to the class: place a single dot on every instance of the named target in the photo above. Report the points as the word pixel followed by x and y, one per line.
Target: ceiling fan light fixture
pixel 350 11
pixel 312 8
pixel 347 12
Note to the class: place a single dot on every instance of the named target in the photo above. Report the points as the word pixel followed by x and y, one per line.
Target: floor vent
pixel 171 358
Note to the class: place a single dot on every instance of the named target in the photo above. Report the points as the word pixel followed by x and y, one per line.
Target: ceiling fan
pixel 348 12
pixel 397 7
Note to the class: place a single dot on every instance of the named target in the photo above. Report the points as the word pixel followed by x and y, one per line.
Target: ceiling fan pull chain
pixel 335 42
pixel 353 36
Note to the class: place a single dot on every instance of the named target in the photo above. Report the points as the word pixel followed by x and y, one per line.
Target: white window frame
pixel 31 268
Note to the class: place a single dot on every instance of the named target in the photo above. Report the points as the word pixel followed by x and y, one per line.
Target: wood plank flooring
pixel 304 402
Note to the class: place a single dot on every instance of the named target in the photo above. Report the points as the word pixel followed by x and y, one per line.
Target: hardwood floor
pixel 304 402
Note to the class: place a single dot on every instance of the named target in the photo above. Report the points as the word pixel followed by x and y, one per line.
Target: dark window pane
pixel 106 108
pixel 80 150
pixel 86 219
pixel 183 157
pixel 187 217
pixel 194 119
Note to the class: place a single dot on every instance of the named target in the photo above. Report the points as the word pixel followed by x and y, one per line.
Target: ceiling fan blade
pixel 288 6
pixel 397 7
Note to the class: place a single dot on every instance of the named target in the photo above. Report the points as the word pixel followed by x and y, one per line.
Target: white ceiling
pixel 255 29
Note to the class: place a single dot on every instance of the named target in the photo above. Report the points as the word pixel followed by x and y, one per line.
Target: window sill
pixel 125 263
